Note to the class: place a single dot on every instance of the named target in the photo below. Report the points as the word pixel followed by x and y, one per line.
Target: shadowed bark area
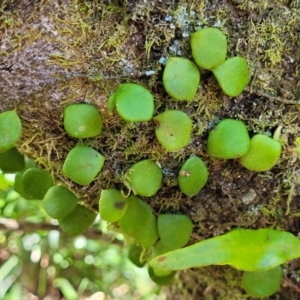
pixel 53 53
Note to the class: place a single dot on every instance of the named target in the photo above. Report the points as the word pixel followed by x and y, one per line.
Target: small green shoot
pixel 229 139
pixel 82 120
pixel 173 129
pixel 232 75
pixel 262 284
pixel 59 202
pixel 244 249
pixel 209 47
pixel 10 129
pixel 144 178
pixel 181 78
pixel 192 176
pixel 82 164
pixel 263 153
pixel 112 205
pixel 78 221
pixel 133 102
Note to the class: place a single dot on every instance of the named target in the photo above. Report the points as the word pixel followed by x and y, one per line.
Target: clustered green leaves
pixel 230 139
pixel 255 252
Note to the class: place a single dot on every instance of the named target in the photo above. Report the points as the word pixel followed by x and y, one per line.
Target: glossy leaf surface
pixel 82 164
pixel 174 230
pixel 145 178
pixel 181 78
pixel 82 120
pixel 262 283
pixel 173 129
pixel 78 221
pixel 112 205
pixel 209 47
pixel 36 182
pixel 232 75
pixel 59 202
pixel 12 161
pixel 10 129
pixel 229 139
pixel 139 222
pixel 263 153
pixel 133 102
pixel 192 176
pixel 244 249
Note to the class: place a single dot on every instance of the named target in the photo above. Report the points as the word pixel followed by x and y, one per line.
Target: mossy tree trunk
pixel 53 53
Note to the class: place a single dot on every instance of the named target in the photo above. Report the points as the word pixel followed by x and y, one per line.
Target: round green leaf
pixel 263 153
pixel 144 178
pixel 232 75
pixel 36 182
pixel 78 221
pixel 82 164
pixel 229 139
pixel 134 255
pixel 262 284
pixel 173 129
pixel 18 184
pixel 134 103
pixel 112 205
pixel 209 47
pixel 149 236
pixel 139 222
pixel 192 176
pixel 59 202
pixel 12 161
pixel 181 78
pixel 174 230
pixel 161 280
pixel 82 120
pixel 10 129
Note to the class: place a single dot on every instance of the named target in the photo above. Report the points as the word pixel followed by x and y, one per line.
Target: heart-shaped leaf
pixel 232 75
pixel 181 78
pixel 263 153
pixel 229 139
pixel 173 129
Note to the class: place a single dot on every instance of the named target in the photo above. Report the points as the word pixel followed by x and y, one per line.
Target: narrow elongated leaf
pixel 244 249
